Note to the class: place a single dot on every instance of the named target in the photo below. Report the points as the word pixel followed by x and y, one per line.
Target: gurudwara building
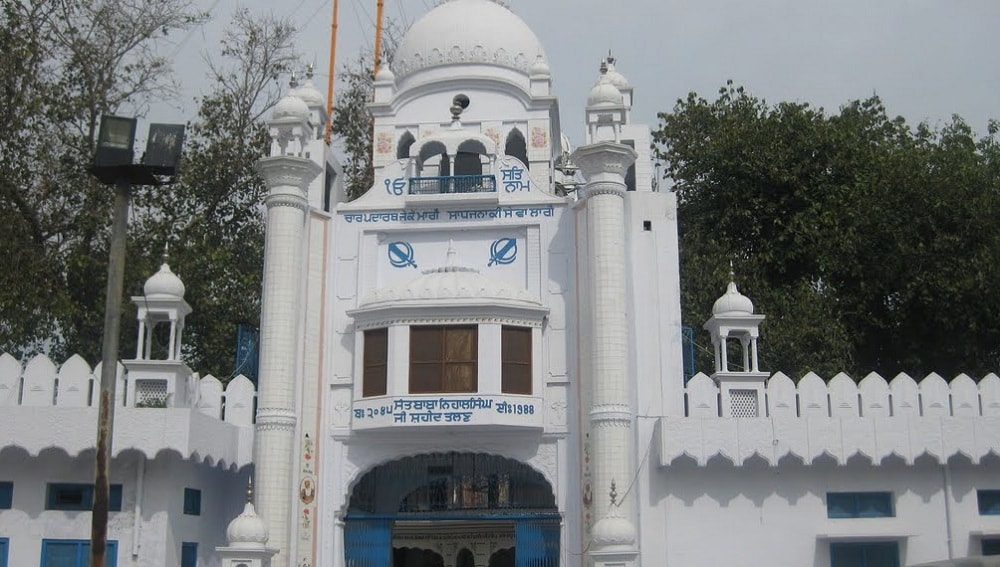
pixel 478 363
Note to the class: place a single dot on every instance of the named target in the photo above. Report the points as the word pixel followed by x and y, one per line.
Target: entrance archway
pixel 462 509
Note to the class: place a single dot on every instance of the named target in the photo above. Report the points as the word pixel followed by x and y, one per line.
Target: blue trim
pixel 6 497
pixel 75 550
pixel 189 554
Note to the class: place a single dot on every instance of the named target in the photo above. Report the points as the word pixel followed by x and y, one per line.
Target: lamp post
pixel 113 165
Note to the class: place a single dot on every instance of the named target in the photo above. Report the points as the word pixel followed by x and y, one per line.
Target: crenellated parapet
pixel 44 405
pixel 875 419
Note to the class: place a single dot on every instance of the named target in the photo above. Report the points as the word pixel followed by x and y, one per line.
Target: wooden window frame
pixel 375 369
pixel 422 359
pixel 513 364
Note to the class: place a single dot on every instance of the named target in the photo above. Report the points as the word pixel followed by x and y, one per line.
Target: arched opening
pixel 403 147
pixel 502 558
pixel 471 158
pixel 503 509
pixel 465 558
pixel 433 161
pixel 517 147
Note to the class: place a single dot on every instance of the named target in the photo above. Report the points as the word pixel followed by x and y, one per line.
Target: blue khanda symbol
pixel 503 252
pixel 401 255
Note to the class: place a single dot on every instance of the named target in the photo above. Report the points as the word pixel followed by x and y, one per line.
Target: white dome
pixel 604 94
pixel 613 531
pixel 290 106
pixel 468 31
pixel 540 68
pixel 616 78
pixel 453 284
pixel 733 303
pixel 247 529
pixel 164 283
pixel 385 75
pixel 311 95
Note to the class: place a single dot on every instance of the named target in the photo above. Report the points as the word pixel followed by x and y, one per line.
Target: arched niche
pixel 517 147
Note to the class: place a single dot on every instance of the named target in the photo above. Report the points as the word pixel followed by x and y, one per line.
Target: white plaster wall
pixel 162 526
pixel 763 516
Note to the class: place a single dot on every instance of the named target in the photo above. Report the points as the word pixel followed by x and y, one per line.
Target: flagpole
pixel 333 68
pixel 378 36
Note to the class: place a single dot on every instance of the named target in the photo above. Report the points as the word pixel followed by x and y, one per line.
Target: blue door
pixel 368 543
pixel 3 552
pixel 74 553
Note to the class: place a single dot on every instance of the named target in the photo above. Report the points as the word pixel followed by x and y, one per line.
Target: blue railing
pixel 453 184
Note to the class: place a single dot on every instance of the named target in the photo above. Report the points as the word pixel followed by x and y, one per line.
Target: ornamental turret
pixel 734 325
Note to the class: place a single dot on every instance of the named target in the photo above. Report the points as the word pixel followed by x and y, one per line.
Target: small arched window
pixel 403 147
pixel 516 146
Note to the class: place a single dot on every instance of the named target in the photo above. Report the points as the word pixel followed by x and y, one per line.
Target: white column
pixel 287 178
pixel 611 416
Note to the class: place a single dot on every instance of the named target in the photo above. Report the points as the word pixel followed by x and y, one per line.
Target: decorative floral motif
pixel 539 138
pixel 383 144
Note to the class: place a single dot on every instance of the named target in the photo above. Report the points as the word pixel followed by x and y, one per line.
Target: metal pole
pixel 109 368
pixel 378 36
pixel 333 69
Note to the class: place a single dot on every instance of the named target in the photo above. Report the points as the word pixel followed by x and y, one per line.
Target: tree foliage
pixel 65 64
pixel 869 245
pixel 77 59
pixel 351 124
pixel 213 218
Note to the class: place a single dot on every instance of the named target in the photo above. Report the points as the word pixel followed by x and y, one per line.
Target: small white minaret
pixel 157 377
pixel 287 173
pixel 603 164
pixel 247 535
pixel 606 111
pixel 733 319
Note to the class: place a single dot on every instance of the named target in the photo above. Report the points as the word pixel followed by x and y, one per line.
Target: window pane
pixel 460 344
pixel 991 546
pixel 425 377
pixel 61 554
pixel 460 377
pixel 840 505
pixel 374 378
pixel 6 495
pixel 426 344
pixel 192 501
pixel 515 356
pixel 875 505
pixel 516 379
pixel 516 344
pixel 882 554
pixel 847 555
pixel 115 498
pixel 989 502
pixel 376 346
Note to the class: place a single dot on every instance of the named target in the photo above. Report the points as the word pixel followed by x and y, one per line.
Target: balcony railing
pixel 453 184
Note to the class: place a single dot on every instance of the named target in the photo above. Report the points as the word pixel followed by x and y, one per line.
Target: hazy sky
pixel 927 59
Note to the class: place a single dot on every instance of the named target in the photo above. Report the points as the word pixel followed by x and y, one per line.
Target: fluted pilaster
pixel 604 165
pixel 287 179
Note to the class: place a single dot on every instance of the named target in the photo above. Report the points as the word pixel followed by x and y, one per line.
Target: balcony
pixel 455 184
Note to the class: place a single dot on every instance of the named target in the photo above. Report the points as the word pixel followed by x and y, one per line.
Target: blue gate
pixel 368 543
pixel 536 543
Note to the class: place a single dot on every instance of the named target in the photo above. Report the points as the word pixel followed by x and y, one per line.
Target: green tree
pixel 212 219
pixel 65 64
pixel 869 244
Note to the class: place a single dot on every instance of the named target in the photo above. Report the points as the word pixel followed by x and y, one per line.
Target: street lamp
pixel 113 164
